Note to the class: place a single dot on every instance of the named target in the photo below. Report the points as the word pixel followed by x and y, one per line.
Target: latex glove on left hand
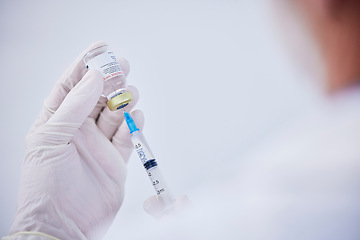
pixel 72 181
pixel 156 207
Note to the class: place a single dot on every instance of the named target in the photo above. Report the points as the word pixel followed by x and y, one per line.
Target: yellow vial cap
pixel 119 101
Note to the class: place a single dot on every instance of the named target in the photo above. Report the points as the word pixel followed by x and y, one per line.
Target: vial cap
pixel 119 101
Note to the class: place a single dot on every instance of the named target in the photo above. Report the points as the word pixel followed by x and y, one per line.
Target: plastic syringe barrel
pixel 149 162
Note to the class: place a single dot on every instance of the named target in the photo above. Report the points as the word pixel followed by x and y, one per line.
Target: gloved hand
pixel 156 208
pixel 72 180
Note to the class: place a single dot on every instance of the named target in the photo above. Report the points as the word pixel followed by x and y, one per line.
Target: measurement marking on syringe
pixel 148 160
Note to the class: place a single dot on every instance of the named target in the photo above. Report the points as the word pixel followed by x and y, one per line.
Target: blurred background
pixel 213 76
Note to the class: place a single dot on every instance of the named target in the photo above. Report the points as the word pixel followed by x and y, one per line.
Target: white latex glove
pixel 72 180
pixel 156 208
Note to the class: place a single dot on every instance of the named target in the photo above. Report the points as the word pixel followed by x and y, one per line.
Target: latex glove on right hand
pixel 156 207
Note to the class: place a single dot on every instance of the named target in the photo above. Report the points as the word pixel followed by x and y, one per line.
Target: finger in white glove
pixel 72 75
pixel 156 208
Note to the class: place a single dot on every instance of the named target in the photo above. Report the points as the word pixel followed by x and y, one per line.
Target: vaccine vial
pixel 104 60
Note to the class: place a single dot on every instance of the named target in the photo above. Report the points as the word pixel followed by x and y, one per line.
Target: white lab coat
pixel 303 184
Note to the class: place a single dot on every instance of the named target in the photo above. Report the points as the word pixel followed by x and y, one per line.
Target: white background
pixel 212 75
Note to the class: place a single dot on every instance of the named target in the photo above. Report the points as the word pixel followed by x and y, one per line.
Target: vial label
pixel 106 63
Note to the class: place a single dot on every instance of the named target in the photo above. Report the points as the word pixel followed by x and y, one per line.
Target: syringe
pixel 148 160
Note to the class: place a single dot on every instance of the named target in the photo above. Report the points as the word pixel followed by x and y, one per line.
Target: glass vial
pixel 104 60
